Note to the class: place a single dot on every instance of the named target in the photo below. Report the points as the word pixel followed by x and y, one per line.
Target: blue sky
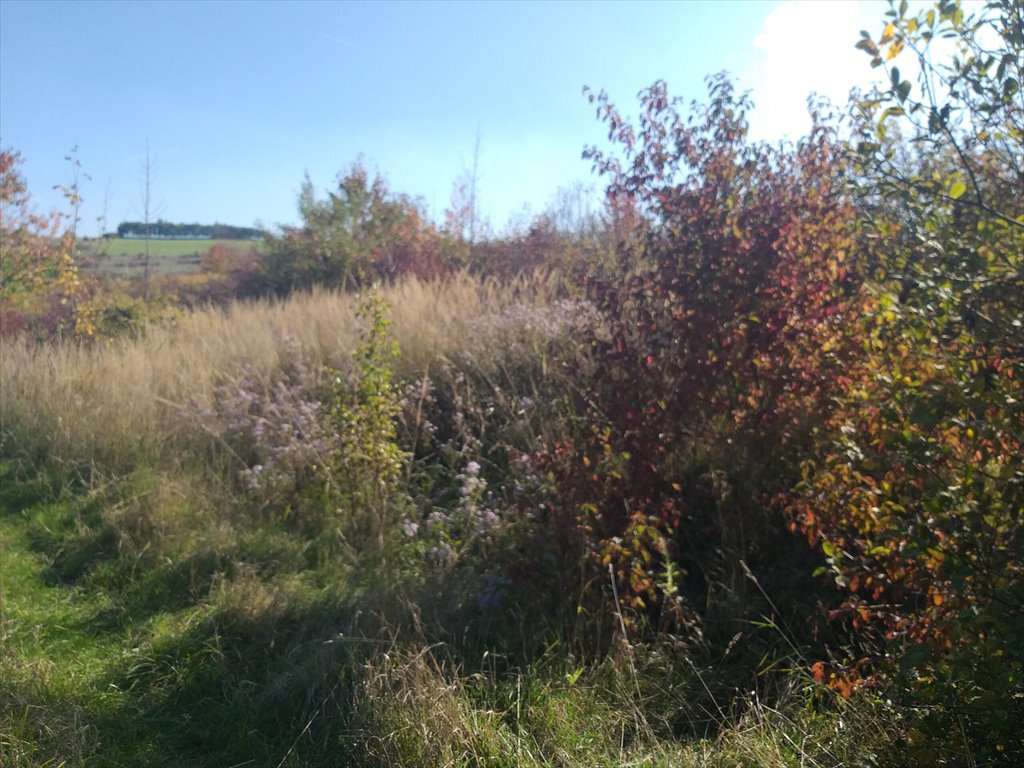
pixel 237 100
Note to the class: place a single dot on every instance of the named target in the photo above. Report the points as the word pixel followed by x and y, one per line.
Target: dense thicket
pixel 835 329
pixel 917 492
pixel 717 356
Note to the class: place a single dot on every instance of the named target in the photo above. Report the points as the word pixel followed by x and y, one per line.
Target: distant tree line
pixel 170 230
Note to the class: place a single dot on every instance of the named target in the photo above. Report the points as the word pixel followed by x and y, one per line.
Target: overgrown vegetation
pixel 734 479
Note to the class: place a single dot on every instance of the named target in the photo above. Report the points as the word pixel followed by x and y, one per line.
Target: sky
pixel 236 101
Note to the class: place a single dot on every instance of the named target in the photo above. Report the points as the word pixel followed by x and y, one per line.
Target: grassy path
pixel 107 660
pixel 63 650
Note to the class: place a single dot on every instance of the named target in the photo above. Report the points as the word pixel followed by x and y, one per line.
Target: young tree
pixel 40 288
pixel 462 218
pixel 73 193
pixel 149 211
pixel 360 233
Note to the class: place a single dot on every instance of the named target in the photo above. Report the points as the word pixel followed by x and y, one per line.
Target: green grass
pixel 122 246
pixel 144 625
pixel 50 659
pixel 125 257
pixel 112 657
pixel 297 670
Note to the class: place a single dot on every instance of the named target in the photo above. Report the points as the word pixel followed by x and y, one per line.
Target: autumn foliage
pixel 797 405
pixel 833 332
pixel 917 497
pixel 41 291
pixel 720 344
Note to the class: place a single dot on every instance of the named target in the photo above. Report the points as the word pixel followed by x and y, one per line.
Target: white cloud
pixel 806 47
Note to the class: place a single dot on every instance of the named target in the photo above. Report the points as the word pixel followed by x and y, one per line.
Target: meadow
pixel 156 612
pixel 126 257
pixel 728 472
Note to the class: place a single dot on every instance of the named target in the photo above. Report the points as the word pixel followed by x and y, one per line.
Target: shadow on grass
pixel 163 587
pixel 239 688
pixel 18 493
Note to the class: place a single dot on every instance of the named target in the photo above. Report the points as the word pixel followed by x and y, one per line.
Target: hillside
pixel 126 257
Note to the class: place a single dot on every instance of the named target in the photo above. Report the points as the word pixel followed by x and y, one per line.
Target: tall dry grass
pixel 105 404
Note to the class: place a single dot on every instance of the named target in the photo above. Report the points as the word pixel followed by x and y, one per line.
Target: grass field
pixel 125 257
pixel 158 609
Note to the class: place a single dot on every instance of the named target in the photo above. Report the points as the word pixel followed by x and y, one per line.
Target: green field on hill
pixel 125 257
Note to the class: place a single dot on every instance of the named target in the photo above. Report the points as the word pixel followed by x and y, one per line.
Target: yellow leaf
pixel 887 35
pixel 894 50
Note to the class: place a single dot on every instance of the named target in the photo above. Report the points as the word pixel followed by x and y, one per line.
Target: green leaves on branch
pixel 360 234
pixel 916 497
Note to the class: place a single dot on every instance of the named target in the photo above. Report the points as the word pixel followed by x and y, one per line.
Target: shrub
pixel 362 233
pixel 317 446
pixel 916 501
pixel 719 340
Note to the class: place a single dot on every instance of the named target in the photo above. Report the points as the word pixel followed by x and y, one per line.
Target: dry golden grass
pixel 102 404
